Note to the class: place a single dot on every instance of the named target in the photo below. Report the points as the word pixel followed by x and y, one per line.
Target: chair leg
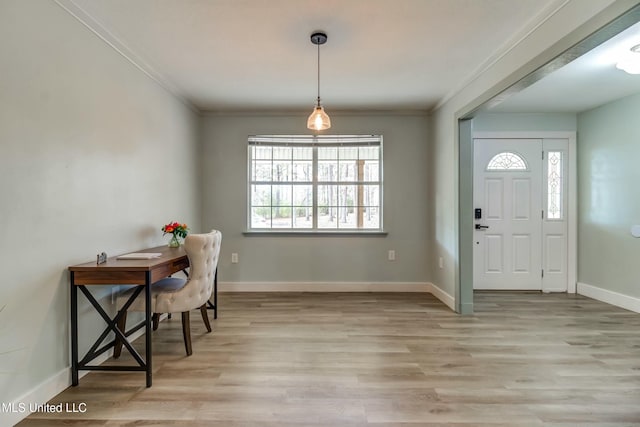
pixel 122 324
pixel 205 316
pixel 186 332
pixel 156 320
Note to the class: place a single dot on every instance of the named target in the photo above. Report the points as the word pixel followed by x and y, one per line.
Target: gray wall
pixel 525 122
pixel 320 258
pixel 95 157
pixel 609 202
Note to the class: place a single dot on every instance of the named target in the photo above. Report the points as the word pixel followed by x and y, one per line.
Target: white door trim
pixel 572 230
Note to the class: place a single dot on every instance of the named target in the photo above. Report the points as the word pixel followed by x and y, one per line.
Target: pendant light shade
pixel 318 120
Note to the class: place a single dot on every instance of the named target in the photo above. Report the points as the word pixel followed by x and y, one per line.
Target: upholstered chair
pixel 175 295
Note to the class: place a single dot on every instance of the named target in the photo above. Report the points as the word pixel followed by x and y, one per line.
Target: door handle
pixel 481 227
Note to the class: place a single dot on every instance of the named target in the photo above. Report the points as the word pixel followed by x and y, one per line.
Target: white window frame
pixel 315 141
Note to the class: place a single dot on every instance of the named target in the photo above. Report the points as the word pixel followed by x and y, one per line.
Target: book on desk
pixel 140 255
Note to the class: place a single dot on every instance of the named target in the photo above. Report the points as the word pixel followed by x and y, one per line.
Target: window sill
pixel 307 233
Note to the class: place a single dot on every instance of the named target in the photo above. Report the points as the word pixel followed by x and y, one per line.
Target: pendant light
pixel 318 120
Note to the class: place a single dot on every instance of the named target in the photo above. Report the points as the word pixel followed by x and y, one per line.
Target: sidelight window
pixel 554 185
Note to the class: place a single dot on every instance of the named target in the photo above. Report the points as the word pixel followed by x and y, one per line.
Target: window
pixel 554 185
pixel 506 161
pixel 315 183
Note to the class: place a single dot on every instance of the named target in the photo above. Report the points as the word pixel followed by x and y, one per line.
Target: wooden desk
pixel 120 272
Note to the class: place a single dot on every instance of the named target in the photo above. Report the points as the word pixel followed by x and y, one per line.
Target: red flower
pixel 176 228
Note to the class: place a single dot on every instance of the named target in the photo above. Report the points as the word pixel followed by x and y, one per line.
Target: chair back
pixel 203 251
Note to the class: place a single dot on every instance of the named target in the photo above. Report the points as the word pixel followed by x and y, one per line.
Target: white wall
pixel 609 203
pixel 95 157
pixel 320 259
pixel 536 47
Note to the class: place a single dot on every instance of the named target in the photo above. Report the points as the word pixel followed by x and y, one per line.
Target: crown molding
pixel 125 51
pixel 305 113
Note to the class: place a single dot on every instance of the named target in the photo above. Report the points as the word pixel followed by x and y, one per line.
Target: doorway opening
pixel 464 279
pixel 524 210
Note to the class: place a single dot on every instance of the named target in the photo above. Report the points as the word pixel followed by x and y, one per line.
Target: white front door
pixel 521 195
pixel 508 214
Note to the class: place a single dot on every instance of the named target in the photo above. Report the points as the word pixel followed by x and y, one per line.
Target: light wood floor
pixel 381 359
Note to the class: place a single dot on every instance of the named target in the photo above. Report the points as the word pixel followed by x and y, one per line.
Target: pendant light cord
pixel 318 74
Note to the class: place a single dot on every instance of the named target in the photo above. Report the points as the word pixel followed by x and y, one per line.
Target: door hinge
pixel 543 273
pixel 543 155
pixel 542 214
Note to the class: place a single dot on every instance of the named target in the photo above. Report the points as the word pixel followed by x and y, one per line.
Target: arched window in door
pixel 507 161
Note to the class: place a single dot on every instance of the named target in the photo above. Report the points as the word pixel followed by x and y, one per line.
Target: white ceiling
pixel 228 55
pixel 585 83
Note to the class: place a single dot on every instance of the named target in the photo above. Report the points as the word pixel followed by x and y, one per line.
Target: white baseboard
pixel 446 299
pixel 428 287
pixel 51 387
pixel 324 287
pixel 610 297
pixel 38 395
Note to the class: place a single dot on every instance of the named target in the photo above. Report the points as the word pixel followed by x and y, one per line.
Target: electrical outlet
pixel 392 255
pixel 441 262
pixel 234 258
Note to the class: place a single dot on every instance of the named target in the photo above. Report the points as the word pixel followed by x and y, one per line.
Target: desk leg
pixel 147 309
pixel 74 331
pixel 214 306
